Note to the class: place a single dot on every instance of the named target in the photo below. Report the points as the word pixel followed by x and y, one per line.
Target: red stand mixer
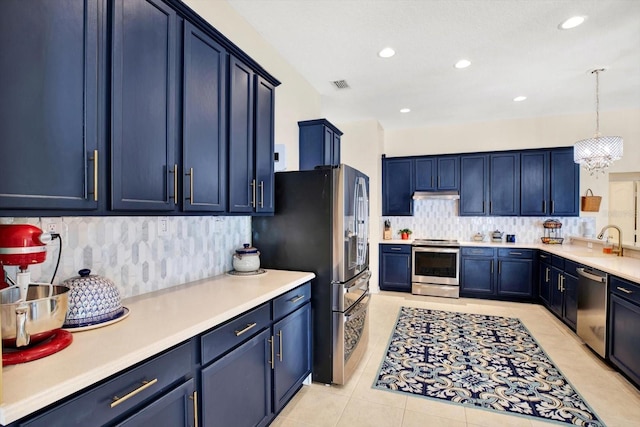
pixel 32 313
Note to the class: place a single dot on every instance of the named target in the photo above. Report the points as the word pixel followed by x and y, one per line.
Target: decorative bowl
pixel 93 299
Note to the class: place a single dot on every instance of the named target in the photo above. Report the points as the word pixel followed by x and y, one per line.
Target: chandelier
pixel 598 153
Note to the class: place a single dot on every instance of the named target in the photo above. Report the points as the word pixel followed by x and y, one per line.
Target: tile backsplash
pixel 439 219
pixel 130 252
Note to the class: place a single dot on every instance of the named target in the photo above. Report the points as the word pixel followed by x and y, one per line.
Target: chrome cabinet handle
pixel 562 283
pixel 245 329
pixel 116 400
pixel 194 397
pixel 94 159
pixel 296 298
pixel 515 253
pixel 491 266
pixel 272 361
pixel 253 193
pixel 553 207
pixel 175 183
pixel 261 186
pixel 546 275
pixel 625 290
pixel 281 350
pixel 396 249
pixel 543 256
pixel 559 280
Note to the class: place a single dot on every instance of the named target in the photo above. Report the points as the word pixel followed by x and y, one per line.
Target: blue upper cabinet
pixel 550 183
pixel 474 185
pixel 204 162
pixel 319 142
pixel 504 184
pixel 143 85
pixel 49 108
pixel 251 130
pixel 437 173
pixel 397 186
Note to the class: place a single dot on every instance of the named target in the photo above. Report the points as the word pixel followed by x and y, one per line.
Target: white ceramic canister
pixel 246 258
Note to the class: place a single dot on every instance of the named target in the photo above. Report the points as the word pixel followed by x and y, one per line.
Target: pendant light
pixel 598 153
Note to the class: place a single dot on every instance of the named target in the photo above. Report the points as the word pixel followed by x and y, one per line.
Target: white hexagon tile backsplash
pixel 131 252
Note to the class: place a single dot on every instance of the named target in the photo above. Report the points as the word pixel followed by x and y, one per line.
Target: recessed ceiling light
pixel 405 110
pixel 387 52
pixel 519 98
pixel 572 22
pixel 463 63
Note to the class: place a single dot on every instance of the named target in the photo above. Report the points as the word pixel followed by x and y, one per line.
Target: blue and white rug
pixel 486 362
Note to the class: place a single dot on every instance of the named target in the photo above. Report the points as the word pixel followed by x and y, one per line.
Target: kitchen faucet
pixel 615 251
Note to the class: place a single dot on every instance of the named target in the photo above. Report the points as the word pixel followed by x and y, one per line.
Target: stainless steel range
pixel 436 268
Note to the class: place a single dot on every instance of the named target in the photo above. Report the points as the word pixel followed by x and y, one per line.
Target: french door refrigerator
pixel 321 225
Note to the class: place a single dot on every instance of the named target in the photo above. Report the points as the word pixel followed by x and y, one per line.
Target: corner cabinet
pixel 49 109
pixel 397 186
pixel 319 142
pixel 563 290
pixel 395 267
pixel 251 112
pixel 624 334
pixel 143 107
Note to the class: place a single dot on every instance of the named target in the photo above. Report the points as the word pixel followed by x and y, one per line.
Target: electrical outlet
pixel 590 245
pixel 51 225
pixel 163 226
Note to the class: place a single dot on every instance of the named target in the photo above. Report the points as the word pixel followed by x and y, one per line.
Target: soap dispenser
pixel 608 247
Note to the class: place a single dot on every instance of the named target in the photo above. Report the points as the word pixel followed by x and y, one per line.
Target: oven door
pixel 436 265
pixel 351 337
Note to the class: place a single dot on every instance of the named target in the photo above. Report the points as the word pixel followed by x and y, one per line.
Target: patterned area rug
pixel 487 362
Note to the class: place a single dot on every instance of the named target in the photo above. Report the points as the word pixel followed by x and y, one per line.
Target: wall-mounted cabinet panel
pixel 504 184
pixel 474 185
pixel 204 141
pixel 265 130
pixel 143 117
pixel 565 183
pixel 534 183
pixel 397 186
pixel 437 173
pixel 319 142
pixel 49 107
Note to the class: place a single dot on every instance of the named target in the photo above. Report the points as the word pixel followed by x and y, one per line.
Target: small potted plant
pixel 404 233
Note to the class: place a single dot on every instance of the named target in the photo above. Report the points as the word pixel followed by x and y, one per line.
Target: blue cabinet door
pixel 397 186
pixel 242 185
pixel 395 268
pixel 555 293
pixel 448 173
pixel 425 174
pixel 174 409
pixel 292 360
pixel 143 84
pixel 204 141
pixel 49 107
pixel 515 277
pixel 264 145
pixel 624 336
pixel 236 389
pixel 565 183
pixel 477 275
pixel 534 183
pixel 474 185
pixel 504 184
pixel 319 144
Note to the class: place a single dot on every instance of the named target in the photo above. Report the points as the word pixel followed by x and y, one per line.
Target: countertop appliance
pixel 321 225
pixel 591 323
pixel 436 268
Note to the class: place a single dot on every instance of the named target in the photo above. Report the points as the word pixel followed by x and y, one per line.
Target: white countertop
pixel 624 267
pixel 157 321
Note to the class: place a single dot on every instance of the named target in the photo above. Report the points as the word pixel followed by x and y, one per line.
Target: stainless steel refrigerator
pixel 321 225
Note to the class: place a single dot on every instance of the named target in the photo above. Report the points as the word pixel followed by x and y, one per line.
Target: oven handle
pixel 437 250
pixel 354 310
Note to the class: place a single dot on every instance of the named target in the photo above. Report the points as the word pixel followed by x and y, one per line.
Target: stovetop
pixel 451 243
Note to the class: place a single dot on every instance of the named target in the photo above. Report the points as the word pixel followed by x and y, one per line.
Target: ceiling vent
pixel 340 84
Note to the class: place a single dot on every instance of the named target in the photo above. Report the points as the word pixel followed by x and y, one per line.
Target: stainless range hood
pixel 442 195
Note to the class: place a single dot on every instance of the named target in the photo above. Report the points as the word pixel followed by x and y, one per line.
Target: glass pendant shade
pixel 598 153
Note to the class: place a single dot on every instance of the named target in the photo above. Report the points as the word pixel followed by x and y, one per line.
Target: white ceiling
pixel 515 47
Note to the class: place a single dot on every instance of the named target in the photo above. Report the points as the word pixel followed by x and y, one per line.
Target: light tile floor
pixel 356 403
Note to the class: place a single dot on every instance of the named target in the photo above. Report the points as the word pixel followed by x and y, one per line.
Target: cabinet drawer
pixel 544 257
pixel 570 267
pixel 398 249
pixel 557 261
pixel 293 299
pixel 625 289
pixel 516 253
pixel 99 406
pixel 478 251
pixel 227 336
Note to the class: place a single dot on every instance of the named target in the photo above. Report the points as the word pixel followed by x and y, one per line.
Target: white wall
pixel 296 99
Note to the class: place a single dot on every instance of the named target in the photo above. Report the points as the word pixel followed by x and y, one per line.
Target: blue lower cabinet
pixel 478 277
pixel 563 292
pixel 236 389
pixel 624 334
pixel 395 268
pixel 515 277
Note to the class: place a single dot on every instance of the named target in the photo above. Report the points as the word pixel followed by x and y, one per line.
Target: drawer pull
pixel 280 354
pixel 245 329
pixel 396 249
pixel 296 298
pixel 515 253
pixel 194 397
pixel 116 400
pixel 272 361
pixel 625 290
pixel 543 256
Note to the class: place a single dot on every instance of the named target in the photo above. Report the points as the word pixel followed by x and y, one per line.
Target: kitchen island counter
pixel 157 321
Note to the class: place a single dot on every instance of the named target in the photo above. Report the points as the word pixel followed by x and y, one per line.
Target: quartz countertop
pixel 157 321
pixel 624 267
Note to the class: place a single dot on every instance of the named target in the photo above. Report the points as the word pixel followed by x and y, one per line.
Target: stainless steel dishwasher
pixel 591 325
